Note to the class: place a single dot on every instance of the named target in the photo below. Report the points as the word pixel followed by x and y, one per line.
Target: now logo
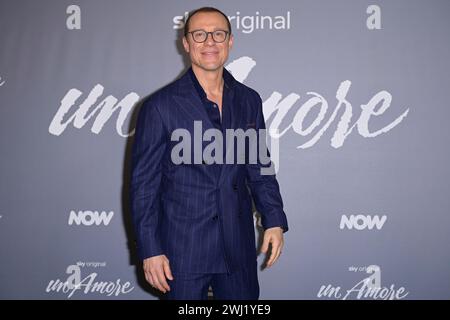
pixel 89 218
pixel 361 222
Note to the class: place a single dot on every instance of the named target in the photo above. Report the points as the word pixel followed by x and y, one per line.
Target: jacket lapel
pixel 189 101
pixel 230 117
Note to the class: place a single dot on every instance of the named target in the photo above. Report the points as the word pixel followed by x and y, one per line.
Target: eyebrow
pixel 216 29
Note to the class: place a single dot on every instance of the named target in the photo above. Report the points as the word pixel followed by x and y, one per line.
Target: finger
pixel 162 280
pixel 265 245
pixel 280 249
pixel 148 277
pixel 273 254
pixel 156 281
pixel 277 256
pixel 272 258
pixel 277 247
pixel 167 271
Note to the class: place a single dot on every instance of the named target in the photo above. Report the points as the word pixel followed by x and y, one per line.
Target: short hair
pixel 204 9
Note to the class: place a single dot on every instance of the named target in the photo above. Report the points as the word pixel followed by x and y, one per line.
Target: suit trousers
pixel 241 284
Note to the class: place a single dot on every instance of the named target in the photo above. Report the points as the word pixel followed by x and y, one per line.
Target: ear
pixel 185 44
pixel 230 42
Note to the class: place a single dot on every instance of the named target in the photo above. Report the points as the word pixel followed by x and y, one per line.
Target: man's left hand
pixel 273 236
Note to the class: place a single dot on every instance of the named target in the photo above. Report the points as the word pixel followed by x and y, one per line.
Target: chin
pixel 210 67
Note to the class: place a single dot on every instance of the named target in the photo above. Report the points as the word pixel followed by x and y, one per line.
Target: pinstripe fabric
pixel 201 219
pixel 189 286
pixel 241 284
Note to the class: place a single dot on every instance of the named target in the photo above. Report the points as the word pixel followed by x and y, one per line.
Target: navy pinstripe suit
pixel 199 215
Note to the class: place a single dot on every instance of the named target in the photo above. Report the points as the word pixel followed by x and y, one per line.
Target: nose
pixel 209 39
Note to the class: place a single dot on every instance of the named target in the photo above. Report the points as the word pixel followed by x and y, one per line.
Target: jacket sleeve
pixel 264 187
pixel 146 171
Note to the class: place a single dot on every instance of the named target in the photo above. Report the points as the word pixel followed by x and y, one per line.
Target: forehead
pixel 208 21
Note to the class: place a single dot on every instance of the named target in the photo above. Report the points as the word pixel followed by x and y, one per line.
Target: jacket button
pixel 235 186
pixel 215 217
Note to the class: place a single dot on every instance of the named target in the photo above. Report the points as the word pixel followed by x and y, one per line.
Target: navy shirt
pixel 212 109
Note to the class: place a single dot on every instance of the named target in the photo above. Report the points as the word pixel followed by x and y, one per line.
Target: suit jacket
pixel 199 215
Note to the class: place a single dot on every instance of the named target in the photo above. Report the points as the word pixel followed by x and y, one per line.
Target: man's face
pixel 209 55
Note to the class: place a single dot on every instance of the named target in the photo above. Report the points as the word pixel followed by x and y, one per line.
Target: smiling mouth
pixel 209 53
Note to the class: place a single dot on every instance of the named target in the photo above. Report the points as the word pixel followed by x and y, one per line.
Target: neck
pixel 211 81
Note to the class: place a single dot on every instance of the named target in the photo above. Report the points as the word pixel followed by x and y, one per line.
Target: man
pixel 194 222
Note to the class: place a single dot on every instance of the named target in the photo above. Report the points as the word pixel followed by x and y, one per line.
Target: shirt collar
pixel 227 82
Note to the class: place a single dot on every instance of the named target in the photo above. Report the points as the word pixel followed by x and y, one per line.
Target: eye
pixel 198 34
pixel 220 35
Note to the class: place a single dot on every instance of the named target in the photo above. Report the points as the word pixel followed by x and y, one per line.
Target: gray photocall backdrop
pixel 357 89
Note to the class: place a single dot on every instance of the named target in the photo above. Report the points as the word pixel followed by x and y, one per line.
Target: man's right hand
pixel 156 270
